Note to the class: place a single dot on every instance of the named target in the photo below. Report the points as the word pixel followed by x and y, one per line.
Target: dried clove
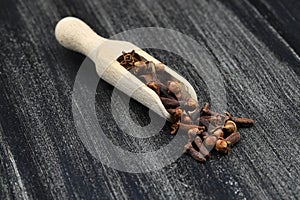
pixel 201 147
pixel 175 127
pixel 210 141
pixel 190 104
pixel 187 127
pixel 139 67
pixel 195 114
pixel 217 120
pixel 192 133
pixel 174 86
pixel 229 127
pixel 127 60
pixel 176 113
pixel 240 122
pixel 161 90
pixel 206 111
pixel 243 122
pixel 222 145
pixel 186 119
pixel 169 102
pixel 218 132
pixel 204 134
pixel 205 122
pixel 159 67
pixel 233 138
pixel 155 86
pixel 147 77
pixel 188 148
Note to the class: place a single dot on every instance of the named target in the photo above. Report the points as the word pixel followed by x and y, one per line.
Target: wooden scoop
pixel 75 35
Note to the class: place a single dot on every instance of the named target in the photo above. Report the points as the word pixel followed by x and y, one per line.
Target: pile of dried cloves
pixel 205 129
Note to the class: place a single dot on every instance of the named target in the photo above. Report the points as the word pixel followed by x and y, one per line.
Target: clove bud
pixel 243 122
pixel 229 127
pixel 155 86
pixel 139 66
pixel 222 146
pixel 169 103
pixel 205 111
pixel 190 104
pixel 186 120
pixel 147 77
pixel 174 86
pixel 233 138
pixel 175 128
pixel 176 113
pixel 188 148
pixel 192 133
pixel 159 67
pixel 218 132
pixel 210 141
pixel 187 127
pixel 201 147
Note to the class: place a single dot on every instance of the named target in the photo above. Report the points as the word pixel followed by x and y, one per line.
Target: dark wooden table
pixel 254 44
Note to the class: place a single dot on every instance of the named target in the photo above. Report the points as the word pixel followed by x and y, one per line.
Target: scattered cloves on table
pixel 206 129
pixel 188 148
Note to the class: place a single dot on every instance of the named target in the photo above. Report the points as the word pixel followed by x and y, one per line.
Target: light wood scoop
pixel 75 35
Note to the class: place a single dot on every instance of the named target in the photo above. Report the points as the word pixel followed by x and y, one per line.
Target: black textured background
pixel 254 44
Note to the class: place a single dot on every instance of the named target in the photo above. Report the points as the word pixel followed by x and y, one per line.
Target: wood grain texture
pixel 42 156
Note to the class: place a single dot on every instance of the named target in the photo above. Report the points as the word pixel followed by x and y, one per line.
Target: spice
pixel 187 127
pixel 243 122
pixel 233 138
pixel 176 113
pixel 192 133
pixel 190 104
pixel 229 127
pixel 127 60
pixel 186 119
pixel 202 149
pixel 205 111
pixel 210 141
pixel 218 132
pixel 205 128
pixel 175 127
pixel 169 102
pixel 174 86
pixel 222 145
pixel 188 148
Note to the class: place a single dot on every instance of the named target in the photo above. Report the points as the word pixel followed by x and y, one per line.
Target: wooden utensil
pixel 75 35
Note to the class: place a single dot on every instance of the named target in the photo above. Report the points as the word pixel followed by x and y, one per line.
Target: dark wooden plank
pixel 281 28
pixel 42 156
pixel 284 17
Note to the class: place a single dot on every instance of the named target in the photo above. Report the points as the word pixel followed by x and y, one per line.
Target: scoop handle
pixel 74 34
